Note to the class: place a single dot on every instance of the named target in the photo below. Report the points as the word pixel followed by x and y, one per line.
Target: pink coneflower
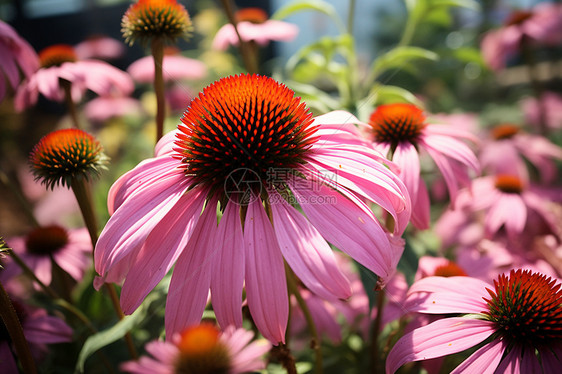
pixel 540 25
pixel 508 202
pixel 59 63
pixel 510 147
pixel 71 250
pixel 547 109
pixel 521 313
pixel 401 130
pixel 203 349
pixel 99 47
pixel 254 25
pixel 251 149
pixel 15 54
pixel 38 328
pixel 175 67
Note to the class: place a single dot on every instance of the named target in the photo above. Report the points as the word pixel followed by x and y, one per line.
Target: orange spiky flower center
pixel 149 19
pixel 505 131
pixel 526 308
pixel 46 240
pixel 201 351
pixel 395 123
pixel 65 155
pixel 253 15
pixel 518 17
pixel 451 269
pixel 56 55
pixel 509 184
pixel 240 130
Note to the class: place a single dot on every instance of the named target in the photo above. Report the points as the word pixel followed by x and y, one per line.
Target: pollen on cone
pixel 397 122
pixel 148 19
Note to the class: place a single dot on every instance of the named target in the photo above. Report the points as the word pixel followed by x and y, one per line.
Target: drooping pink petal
pixel 145 175
pixel 245 357
pixel 39 327
pixel 129 226
pixel 227 279
pixel 511 363
pixel 191 279
pixel 483 361
pixel 368 179
pixel 421 209
pixel 349 226
pixel 306 252
pixel 161 249
pixel 440 338
pixel 266 287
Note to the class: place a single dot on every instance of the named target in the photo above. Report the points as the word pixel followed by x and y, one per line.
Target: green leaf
pixel 116 332
pixel 468 4
pixel 392 94
pixel 317 5
pixel 400 57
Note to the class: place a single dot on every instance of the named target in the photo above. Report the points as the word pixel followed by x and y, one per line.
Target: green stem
pixel 375 330
pixel 350 16
pixel 157 48
pixel 315 340
pixel 83 196
pixel 409 32
pixel 67 88
pixel 249 57
pixel 13 325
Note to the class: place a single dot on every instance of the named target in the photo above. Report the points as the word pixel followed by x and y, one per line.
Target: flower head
pixel 401 130
pixel 60 64
pixel 203 349
pixel 247 147
pixel 147 19
pixel 56 55
pixel 69 249
pixel 521 314
pixel 540 25
pixel 65 155
pixel 511 149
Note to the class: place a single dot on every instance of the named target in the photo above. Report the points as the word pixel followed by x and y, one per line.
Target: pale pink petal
pixel 306 252
pixel 161 249
pixel 454 130
pixel 191 279
pixel 165 351
pixel 227 280
pixel 421 209
pixel 101 47
pixel 349 226
pixel 166 144
pixel 174 67
pixel 472 288
pixel 245 357
pixel 483 361
pixel 266 286
pixel 454 149
pixel 324 318
pixel 260 33
pixel 501 157
pixel 508 210
pixel 440 338
pixel 41 266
